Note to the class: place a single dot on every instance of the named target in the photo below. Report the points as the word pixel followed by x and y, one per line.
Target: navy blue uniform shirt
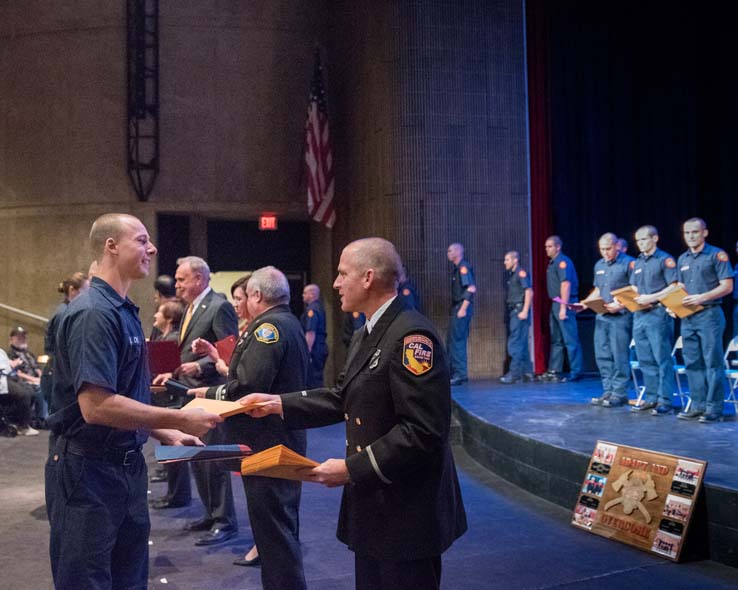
pixel 517 282
pixel 561 269
pixel 462 277
pixel 612 274
pixel 313 320
pixel 735 282
pixel 99 342
pixel 703 271
pixel 654 273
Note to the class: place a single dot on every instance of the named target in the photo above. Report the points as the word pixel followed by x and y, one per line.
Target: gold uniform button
pixel 358 448
pixel 358 421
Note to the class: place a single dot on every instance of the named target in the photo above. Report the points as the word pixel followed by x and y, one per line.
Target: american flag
pixel 318 153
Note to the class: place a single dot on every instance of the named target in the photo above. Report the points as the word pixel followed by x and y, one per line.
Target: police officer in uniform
pixel 613 328
pixel 653 274
pixel 96 479
pixel 518 298
pixel 462 296
pixel 313 324
pixel 705 272
pixel 562 283
pixel 271 357
pixel 401 506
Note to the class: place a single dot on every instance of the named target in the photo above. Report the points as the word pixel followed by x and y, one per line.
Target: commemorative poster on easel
pixel 639 497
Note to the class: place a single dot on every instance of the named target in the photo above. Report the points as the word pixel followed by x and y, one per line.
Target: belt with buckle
pixel 112 455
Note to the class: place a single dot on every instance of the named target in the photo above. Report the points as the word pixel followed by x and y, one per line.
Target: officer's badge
pixel 463 270
pixel 311 313
pixel 417 354
pixel 670 263
pixel 562 264
pixel 374 361
pixel 267 333
pixel 522 274
pixel 722 256
pixel 406 292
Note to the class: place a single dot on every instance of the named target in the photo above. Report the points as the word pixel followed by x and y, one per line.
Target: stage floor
pixel 560 415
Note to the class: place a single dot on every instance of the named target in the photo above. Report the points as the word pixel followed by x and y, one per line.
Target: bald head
pixel 109 226
pixel 310 293
pixel 379 256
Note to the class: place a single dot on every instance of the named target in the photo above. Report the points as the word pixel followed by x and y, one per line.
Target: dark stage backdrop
pixel 644 121
pixel 644 114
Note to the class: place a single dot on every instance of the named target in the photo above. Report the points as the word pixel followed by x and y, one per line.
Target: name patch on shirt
pixel 267 333
pixel 417 354
pixel 638 270
pixel 686 267
pixel 600 272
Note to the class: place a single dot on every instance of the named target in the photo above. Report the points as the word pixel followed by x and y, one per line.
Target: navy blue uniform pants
pixel 653 332
pixel 380 574
pixel 612 341
pixel 458 334
pixel 273 506
pixel 517 343
pixel 735 318
pixel 214 485
pixel 99 523
pixel 564 337
pixel 318 356
pixel 702 340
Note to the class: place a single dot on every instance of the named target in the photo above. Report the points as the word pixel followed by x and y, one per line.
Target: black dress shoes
pixel 217 535
pixel 204 524
pixel 248 562
pixel 161 503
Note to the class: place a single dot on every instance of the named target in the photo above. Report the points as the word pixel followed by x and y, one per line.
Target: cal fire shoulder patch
pixel 632 264
pixel 562 264
pixel 522 274
pixel 311 313
pixel 670 263
pixel 417 354
pixel 267 333
pixel 406 292
pixel 722 256
pixel 463 270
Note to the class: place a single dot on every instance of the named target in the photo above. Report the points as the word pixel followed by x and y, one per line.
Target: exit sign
pixel 268 222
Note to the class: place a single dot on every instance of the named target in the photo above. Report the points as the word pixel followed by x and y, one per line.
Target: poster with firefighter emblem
pixel 639 497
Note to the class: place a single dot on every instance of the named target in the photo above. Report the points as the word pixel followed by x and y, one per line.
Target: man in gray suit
pixel 210 316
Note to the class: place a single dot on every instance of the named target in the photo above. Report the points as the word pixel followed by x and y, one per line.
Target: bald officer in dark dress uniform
pixel 654 273
pixel 96 477
pixel 705 272
pixel 518 297
pixel 401 506
pixel 271 357
pixel 613 329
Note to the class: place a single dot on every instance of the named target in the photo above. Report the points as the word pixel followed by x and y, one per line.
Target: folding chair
pixel 635 366
pixel 731 373
pixel 680 371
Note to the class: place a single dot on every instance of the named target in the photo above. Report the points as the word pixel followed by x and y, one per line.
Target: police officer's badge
pixel 417 354
pixel 267 333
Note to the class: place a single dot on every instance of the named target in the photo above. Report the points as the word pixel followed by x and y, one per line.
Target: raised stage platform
pixel 540 436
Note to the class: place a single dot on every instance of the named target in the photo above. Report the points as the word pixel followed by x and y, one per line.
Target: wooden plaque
pixel 639 497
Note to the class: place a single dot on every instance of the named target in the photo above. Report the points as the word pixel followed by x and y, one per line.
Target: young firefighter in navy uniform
pixel 271 357
pixel 613 329
pixel 401 506
pixel 705 272
pixel 518 297
pixel 462 296
pixel 96 484
pixel 654 273
pixel 313 324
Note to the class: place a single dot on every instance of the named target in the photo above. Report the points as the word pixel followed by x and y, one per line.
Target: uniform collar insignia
pixel 374 361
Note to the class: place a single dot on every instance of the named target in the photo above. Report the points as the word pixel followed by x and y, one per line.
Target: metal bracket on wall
pixel 143 95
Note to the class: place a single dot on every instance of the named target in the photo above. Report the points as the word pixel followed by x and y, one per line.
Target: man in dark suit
pixel 401 506
pixel 272 357
pixel 211 317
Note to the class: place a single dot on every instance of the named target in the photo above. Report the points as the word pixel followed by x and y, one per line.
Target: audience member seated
pixel 16 395
pixel 28 372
